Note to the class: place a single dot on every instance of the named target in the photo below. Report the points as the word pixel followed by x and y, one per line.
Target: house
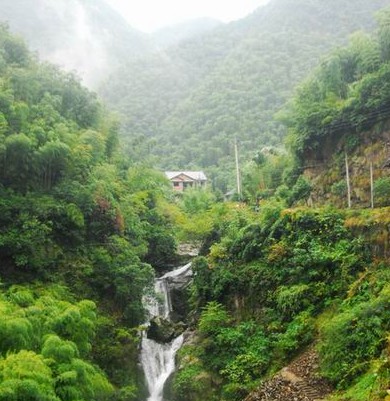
pixel 186 179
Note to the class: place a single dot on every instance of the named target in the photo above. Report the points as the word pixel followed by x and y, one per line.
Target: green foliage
pixel 213 318
pixel 252 349
pixel 346 95
pixel 384 33
pixel 59 350
pixel 241 354
pixel 201 281
pixel 16 334
pixel 300 191
pixel 115 268
pixel 21 296
pixel 73 210
pixel 196 201
pixel 25 376
pixel 299 332
pixel 372 385
pixel 71 207
pixel 116 349
pixel 267 281
pixel 293 298
pixel 183 108
pixel 188 384
pixel 42 339
pixel 339 188
pixel 127 393
pixel 355 336
pixel 76 323
pixel 263 175
pixel 382 191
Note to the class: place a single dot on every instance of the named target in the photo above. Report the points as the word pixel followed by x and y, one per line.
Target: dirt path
pixel 299 381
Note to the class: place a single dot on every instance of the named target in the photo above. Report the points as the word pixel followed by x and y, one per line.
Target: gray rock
pixel 164 331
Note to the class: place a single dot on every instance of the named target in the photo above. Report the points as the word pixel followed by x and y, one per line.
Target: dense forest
pixel 183 107
pixel 183 100
pixel 298 267
pixel 77 218
pixel 274 280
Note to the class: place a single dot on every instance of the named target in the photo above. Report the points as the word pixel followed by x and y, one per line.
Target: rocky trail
pixel 299 381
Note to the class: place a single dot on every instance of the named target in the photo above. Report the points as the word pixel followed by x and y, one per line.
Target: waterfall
pixel 158 360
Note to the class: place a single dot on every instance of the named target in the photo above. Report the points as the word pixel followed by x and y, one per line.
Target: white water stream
pixel 158 360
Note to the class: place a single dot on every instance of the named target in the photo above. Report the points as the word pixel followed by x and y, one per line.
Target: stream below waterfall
pixel 158 359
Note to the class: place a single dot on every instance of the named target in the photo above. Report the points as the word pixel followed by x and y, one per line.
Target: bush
pixel 190 382
pixel 298 333
pixel 382 191
pixel 25 376
pixel 213 318
pixel 354 337
pixel 300 191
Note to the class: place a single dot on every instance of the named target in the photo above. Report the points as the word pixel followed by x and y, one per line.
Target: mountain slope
pixel 231 81
pixel 87 36
pixel 172 35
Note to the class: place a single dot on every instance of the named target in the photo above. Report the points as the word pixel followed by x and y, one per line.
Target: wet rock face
pixel 164 331
pixel 179 297
pixel 180 282
pixel 180 305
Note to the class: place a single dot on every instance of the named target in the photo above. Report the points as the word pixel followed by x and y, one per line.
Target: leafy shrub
pixel 127 393
pixel 354 337
pixel 76 323
pixel 191 382
pixel 197 201
pixel 20 296
pixel 300 191
pixel 80 380
pixel 16 333
pixel 201 280
pixel 59 350
pixel 382 191
pixel 299 332
pixel 339 188
pixel 213 318
pixel 291 299
pixel 250 354
pixel 25 376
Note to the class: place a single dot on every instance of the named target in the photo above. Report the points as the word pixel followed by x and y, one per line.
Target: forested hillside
pixel 85 36
pixel 77 220
pixel 182 106
pixel 341 111
pixel 186 105
pixel 337 116
pixel 172 35
pixel 282 281
pixel 275 282
pixel 291 270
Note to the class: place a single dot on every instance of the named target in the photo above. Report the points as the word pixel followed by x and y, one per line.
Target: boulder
pixel 163 331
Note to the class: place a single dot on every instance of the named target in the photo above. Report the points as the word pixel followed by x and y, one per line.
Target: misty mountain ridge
pixel 89 37
pixel 183 107
pixel 84 36
pixel 174 34
pixel 184 100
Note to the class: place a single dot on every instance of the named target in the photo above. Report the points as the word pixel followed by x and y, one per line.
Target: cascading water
pixel 158 360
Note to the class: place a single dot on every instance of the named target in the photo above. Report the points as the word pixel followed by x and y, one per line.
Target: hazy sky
pixel 149 15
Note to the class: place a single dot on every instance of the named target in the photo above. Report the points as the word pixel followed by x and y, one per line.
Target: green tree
pixel 25 376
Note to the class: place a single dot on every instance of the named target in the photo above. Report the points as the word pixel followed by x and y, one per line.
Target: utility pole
pixel 348 182
pixel 237 169
pixel 372 185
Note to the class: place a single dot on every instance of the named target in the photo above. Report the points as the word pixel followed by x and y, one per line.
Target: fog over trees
pixel 287 294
